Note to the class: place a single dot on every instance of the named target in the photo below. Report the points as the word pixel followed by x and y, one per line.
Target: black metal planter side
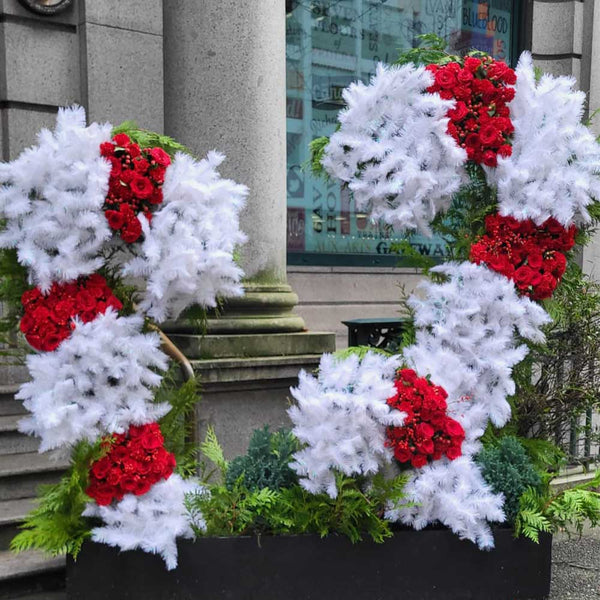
pixel 427 565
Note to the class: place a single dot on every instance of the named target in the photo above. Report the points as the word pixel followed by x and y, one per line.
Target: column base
pixel 262 309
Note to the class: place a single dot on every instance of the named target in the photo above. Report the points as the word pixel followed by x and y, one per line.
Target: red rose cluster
pixel 135 184
pixel 480 122
pixel 428 433
pixel 134 463
pixel 530 255
pixel 48 319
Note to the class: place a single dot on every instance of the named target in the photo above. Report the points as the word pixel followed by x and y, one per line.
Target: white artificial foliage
pixel 341 417
pixel 554 169
pixel 466 340
pixel 52 197
pixel 187 254
pixel 392 148
pixel 98 381
pixel 454 493
pixel 151 522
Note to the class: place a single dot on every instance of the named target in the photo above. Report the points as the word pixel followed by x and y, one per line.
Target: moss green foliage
pixel 235 509
pixel 317 151
pixel 431 49
pixel 557 382
pixel 359 351
pixel 56 526
pixel 464 222
pixel 178 425
pixel 507 468
pixel 568 510
pixel 149 139
pixel 265 465
pixel 13 282
pixel 415 259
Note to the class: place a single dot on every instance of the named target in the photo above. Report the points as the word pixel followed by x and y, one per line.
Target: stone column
pixel 225 90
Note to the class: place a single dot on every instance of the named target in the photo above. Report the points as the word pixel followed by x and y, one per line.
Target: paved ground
pixel 576 567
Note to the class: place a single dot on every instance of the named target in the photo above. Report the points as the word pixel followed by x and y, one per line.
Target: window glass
pixel 331 43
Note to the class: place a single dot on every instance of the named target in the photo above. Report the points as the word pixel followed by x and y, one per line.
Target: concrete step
pixel 30 573
pixel 11 440
pixel 12 513
pixel 8 404
pixel 22 474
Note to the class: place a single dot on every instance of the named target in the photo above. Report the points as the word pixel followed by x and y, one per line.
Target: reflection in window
pixel 331 43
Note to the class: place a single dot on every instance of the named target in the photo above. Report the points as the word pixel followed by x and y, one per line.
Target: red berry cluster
pixel 480 122
pixel 48 318
pixel 135 184
pixel 428 433
pixel 531 255
pixel 133 464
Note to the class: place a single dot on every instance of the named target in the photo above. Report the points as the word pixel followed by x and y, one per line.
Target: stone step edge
pixel 14 511
pixel 8 423
pixel 29 463
pixel 28 563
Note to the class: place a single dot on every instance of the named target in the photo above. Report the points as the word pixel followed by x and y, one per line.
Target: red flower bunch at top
pixel 428 433
pixel 135 184
pixel 48 319
pixel 480 122
pixel 531 255
pixel 134 463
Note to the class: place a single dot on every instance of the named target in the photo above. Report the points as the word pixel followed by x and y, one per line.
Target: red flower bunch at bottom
pixel 480 121
pixel 133 464
pixel 530 255
pixel 135 184
pixel 428 433
pixel 48 318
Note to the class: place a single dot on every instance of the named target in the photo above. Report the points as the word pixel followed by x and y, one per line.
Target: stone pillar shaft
pixel 225 90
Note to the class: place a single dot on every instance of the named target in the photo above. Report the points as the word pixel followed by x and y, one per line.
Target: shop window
pixel 331 43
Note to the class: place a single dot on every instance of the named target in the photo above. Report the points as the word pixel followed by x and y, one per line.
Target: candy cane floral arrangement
pixel 495 159
pixel 84 211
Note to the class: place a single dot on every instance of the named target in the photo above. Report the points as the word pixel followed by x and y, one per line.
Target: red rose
pixel 157 174
pixel 121 140
pixel 505 150
pixel 523 277
pixel 141 186
pixel 131 231
pixel 85 301
pixel 160 157
pixel 453 452
pixel 445 78
pixel 454 428
pixel 459 112
pixel 402 455
pixel 489 135
pixel 116 220
pixel 134 150
pixel 510 77
pixel 464 76
pixel 141 165
pixel 472 63
pixel 418 461
pixel 116 167
pixel 508 94
pixel 490 159
pixel 107 149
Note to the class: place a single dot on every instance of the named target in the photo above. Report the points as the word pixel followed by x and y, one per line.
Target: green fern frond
pixel 213 451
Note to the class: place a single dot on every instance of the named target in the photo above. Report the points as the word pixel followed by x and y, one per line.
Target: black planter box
pixel 427 565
